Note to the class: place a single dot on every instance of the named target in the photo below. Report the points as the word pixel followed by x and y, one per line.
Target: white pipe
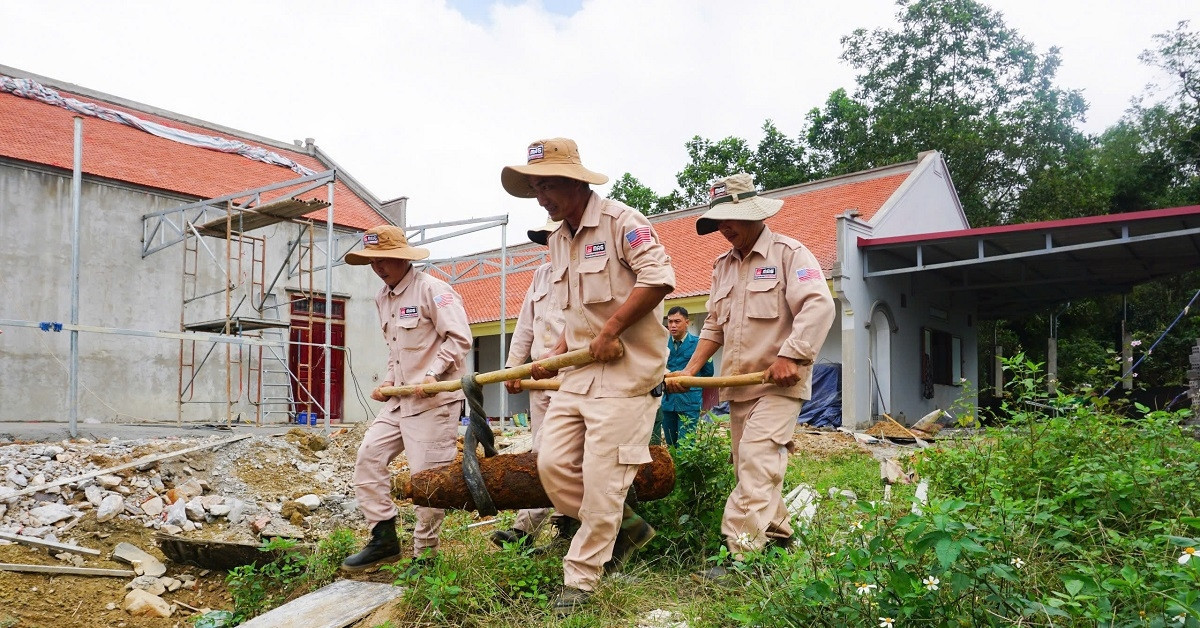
pixel 76 192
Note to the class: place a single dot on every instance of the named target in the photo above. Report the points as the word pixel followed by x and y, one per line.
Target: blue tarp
pixel 825 407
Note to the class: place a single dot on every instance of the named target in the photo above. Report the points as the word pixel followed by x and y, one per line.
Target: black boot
pixel 510 536
pixel 564 526
pixel 634 534
pixel 383 547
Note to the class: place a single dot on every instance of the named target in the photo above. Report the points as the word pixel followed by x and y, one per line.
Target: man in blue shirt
pixel 680 411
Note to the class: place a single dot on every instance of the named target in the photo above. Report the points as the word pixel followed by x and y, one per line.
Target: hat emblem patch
pixel 370 239
pixel 536 152
pixel 717 190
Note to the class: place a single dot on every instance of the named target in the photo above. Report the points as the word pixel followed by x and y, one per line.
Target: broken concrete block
pixel 153 506
pixel 109 507
pixel 219 510
pixel 149 584
pixel 51 513
pixel 171 584
pixel 94 494
pixel 139 602
pixel 194 509
pixel 310 500
pixel 208 501
pixel 148 564
pixel 190 489
pixel 109 481
pixel 17 479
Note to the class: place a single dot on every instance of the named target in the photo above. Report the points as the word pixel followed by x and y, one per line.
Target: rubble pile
pixel 295 485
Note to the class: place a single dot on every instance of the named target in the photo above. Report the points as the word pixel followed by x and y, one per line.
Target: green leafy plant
pixel 688 521
pixel 257 588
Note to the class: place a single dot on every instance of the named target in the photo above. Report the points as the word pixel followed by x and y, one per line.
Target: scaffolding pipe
pixel 76 192
pixel 328 299
pixel 503 302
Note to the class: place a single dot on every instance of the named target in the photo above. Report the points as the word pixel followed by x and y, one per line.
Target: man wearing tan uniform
pixel 609 274
pixel 539 326
pixel 771 310
pixel 426 330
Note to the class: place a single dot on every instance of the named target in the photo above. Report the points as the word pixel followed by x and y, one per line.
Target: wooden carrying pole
pixel 728 381
pixel 579 357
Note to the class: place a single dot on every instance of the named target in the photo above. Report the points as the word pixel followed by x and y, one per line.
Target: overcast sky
pixel 430 98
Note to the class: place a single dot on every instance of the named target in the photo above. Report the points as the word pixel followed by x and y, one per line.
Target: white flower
pixel 1188 554
pixel 743 539
pixel 1135 343
pixel 931 583
pixel 863 588
pixel 831 554
pixel 886 622
pixel 1017 562
pixel 1180 619
pixel 1134 374
pixel 857 525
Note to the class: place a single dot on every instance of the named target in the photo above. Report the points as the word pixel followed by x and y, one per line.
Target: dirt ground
pixel 263 472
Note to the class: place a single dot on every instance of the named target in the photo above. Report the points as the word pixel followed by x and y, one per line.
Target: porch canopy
pixel 1020 269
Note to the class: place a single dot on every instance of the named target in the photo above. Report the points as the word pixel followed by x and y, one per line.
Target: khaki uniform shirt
pixel 426 329
pixel 539 325
pixel 594 270
pixel 774 302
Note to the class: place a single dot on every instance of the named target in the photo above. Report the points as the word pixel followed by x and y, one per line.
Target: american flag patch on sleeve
pixel 809 274
pixel 638 237
pixel 444 299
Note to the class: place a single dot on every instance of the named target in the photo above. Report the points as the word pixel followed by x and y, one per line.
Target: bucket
pixel 308 418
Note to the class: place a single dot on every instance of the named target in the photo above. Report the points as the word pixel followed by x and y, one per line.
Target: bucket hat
pixel 385 242
pixel 541 235
pixel 556 157
pixel 735 198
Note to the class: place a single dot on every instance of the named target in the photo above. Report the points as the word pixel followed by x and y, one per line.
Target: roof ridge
pixel 79 90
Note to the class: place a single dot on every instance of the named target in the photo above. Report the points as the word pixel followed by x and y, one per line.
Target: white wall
pixel 123 377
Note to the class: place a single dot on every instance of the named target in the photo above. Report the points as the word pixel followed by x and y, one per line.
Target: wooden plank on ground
pixel 129 465
pixel 36 542
pixel 68 571
pixel 333 606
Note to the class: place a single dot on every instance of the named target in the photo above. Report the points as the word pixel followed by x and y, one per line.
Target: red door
pixel 307 361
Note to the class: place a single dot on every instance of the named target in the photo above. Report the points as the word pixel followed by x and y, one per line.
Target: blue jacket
pixel 679 353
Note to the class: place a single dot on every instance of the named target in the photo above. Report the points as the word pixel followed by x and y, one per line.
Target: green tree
pixel 779 160
pixel 953 77
pixel 633 193
pixel 838 135
pixel 1152 156
pixel 710 160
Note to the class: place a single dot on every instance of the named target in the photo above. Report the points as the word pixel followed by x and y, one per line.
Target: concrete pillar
pixel 1126 358
pixel 998 371
pixel 1051 365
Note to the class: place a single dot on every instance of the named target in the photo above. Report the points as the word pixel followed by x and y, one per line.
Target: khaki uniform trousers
pixel 591 450
pixel 539 400
pixel 761 431
pixel 427 440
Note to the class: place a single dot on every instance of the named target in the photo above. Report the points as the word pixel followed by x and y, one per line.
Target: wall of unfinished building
pixel 122 377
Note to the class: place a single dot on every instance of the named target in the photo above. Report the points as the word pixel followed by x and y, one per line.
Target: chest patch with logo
pixel 594 250
pixel 765 272
pixel 408 311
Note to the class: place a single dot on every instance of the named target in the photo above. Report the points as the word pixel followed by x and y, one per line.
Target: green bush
pixel 688 521
pixel 259 588
pixel 1069 514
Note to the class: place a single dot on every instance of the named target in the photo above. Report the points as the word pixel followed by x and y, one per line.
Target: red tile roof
pixel 41 133
pixel 809 214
